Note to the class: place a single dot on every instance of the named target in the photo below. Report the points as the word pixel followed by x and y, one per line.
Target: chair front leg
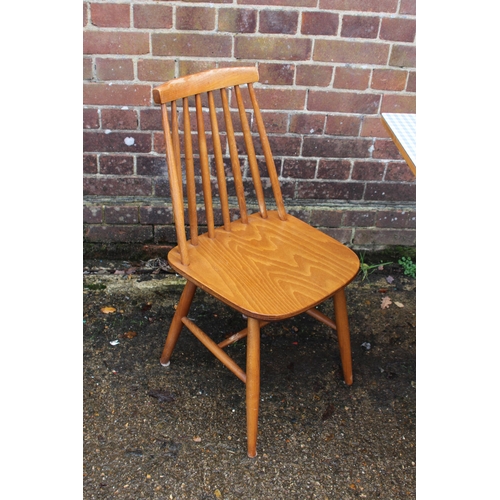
pixel 176 324
pixel 340 307
pixel 253 384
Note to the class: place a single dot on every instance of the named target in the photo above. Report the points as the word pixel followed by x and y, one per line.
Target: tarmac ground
pixel 152 432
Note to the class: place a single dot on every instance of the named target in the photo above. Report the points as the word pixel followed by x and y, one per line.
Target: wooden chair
pixel 267 265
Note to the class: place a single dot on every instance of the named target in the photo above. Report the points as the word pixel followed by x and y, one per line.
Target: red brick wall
pixel 328 68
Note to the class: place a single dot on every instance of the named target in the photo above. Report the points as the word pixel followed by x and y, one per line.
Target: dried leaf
pixel 217 493
pixel 130 335
pixel 386 302
pixel 162 396
pixel 108 309
pixel 398 304
pixel 197 439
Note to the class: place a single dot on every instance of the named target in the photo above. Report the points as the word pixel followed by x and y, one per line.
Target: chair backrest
pixel 201 86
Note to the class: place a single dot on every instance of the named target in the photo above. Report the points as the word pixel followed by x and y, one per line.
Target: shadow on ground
pixel 179 432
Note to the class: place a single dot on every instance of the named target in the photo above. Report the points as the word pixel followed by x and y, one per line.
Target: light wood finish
pixel 253 384
pixel 267 265
pixel 268 269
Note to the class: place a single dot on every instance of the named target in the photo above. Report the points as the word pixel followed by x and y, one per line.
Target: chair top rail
pixel 205 81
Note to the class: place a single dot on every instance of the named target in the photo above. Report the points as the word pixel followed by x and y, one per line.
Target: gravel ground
pixel 152 432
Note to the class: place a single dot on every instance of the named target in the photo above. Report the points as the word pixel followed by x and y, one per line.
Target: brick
pixel 360 26
pixel 167 234
pixel 343 102
pixel 114 69
pixel 161 187
pixel 282 145
pixel 275 123
pixel 115 42
pixel 384 237
pixel 116 95
pixel 368 171
pixel 191 67
pixel 121 215
pixel 280 98
pixel 114 142
pixel 192 44
pixel 307 123
pixel 397 103
pixel 403 56
pixel 319 23
pixel 90 118
pixel 150 118
pixel 396 219
pixel 276 74
pixel 358 218
pixel 399 171
pixel 372 126
pixel 156 215
pixel 155 70
pixel 343 125
pixel 278 21
pixel 390 192
pixel 330 190
pixel 92 214
pixel 116 186
pixel 398 29
pixel 336 148
pixel 152 165
pixel 284 3
pixel 89 164
pixel 388 79
pixel 195 18
pixel 88 68
pixel 343 51
pixel 360 5
pixel 299 169
pixel 351 78
pixel 237 20
pixel 411 85
pixel 116 165
pixel 85 14
pixel 272 47
pixel 326 217
pixel 342 235
pixel 314 75
pixel 110 15
pixel 408 7
pixel 334 169
pixel 123 234
pixel 157 16
pixel 385 149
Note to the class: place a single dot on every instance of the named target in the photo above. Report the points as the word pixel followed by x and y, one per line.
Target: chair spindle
pixel 190 183
pixel 235 161
pixel 205 171
pixel 219 164
pixel 252 161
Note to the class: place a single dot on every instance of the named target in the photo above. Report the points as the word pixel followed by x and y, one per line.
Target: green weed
pixel 409 268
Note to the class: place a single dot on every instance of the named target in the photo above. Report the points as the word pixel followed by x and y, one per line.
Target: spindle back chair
pixel 267 265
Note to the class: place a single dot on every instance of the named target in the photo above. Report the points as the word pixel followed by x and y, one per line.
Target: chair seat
pixel 268 269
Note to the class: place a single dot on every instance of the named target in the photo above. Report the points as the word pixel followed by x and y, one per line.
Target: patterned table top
pixel 403 129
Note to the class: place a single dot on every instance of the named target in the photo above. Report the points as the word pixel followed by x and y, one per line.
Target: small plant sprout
pixel 409 268
pixel 366 269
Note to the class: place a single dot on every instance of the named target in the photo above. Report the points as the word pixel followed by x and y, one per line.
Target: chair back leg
pixel 340 308
pixel 253 384
pixel 176 324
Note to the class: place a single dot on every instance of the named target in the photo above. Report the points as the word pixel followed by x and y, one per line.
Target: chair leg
pixel 253 384
pixel 340 307
pixel 176 324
